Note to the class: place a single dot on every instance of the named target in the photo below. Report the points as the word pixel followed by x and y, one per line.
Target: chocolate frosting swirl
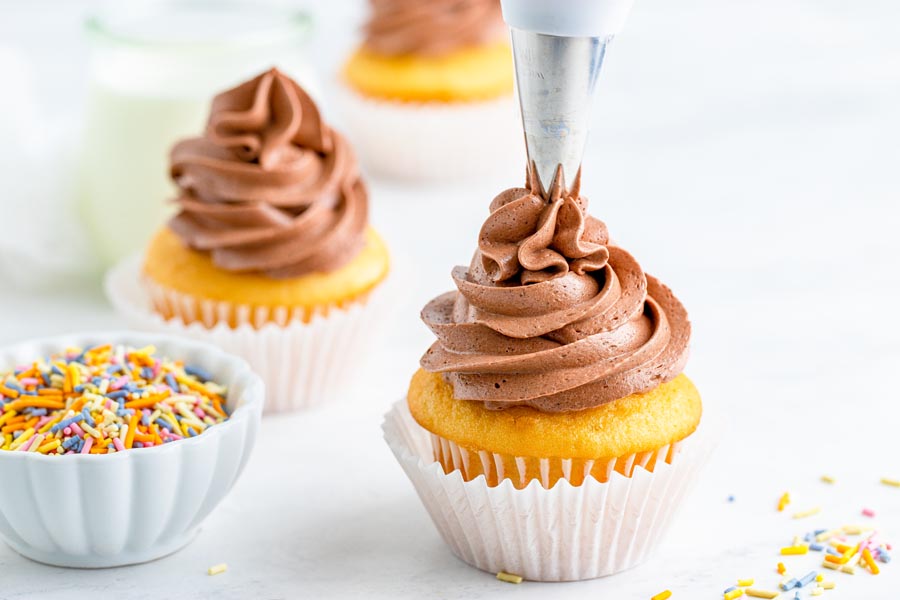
pixel 552 315
pixel 269 187
pixel 431 27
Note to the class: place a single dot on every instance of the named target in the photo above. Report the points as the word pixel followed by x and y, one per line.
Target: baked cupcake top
pixel 550 314
pixel 269 187
pixel 431 27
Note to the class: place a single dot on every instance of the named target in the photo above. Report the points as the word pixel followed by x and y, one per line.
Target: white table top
pixel 747 154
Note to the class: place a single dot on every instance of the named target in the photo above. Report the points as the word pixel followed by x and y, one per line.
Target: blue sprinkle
pixel 807 579
pixel 170 381
pixel 731 498
pixel 87 417
pixel 17 433
pixel 80 444
pixel 66 422
pixel 731 589
pixel 79 388
pixel 797 595
pixel 832 551
pixel 145 420
pixel 15 386
pixel 787 585
pixel 30 394
pixel 37 412
pixel 816 547
pixel 809 537
pixel 884 556
pixel 46 379
pixel 117 394
pixel 163 423
pixel 198 373
pixel 137 445
pixel 819 531
pixel 56 370
pixel 191 432
pixel 147 373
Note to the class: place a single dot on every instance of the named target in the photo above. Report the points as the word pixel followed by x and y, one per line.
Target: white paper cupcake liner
pixel 565 533
pixel 434 140
pixel 302 363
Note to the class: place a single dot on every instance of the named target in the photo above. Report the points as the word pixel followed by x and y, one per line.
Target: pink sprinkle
pixel 175 436
pixel 868 512
pixel 86 449
pixel 118 383
pixel 29 381
pixel 78 430
pixel 108 404
pixel 67 430
pixel 24 447
pixel 199 412
pixel 42 422
pixel 70 452
pixel 118 444
pixel 23 367
pixel 149 444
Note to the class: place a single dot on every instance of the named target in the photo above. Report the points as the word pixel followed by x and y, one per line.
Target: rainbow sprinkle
pixel 103 400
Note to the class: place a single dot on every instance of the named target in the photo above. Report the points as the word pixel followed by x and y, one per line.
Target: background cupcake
pixel 270 255
pixel 429 92
pixel 553 395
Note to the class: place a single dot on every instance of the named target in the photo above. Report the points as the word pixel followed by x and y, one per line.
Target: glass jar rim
pixel 295 26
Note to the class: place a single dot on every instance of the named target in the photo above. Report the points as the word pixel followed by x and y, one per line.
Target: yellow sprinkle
pixel 830 565
pixel 848 569
pixel 828 479
pixel 853 529
pixel 509 577
pixel 807 513
pixel 50 446
pixel 781 569
pixel 820 577
pixel 216 569
pixel 827 535
pixel 90 430
pixel 870 562
pixel 827 585
pixel 890 482
pixel 790 550
pixel 796 541
pixel 784 501
pixel 745 582
pixel 26 435
pixel 734 594
pixel 665 595
pixel 6 416
pixel 817 592
pixel 38 440
pixel 761 593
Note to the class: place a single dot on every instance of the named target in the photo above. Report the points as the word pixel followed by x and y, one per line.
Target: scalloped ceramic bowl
pixel 97 510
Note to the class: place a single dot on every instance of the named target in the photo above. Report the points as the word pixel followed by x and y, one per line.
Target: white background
pixel 747 153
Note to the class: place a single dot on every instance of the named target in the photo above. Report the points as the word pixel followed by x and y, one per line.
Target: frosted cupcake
pixel 270 255
pixel 551 431
pixel 429 93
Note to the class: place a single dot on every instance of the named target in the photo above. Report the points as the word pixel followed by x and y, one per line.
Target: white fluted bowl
pixel 96 510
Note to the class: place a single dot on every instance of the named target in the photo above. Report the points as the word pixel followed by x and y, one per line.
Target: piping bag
pixel 558 49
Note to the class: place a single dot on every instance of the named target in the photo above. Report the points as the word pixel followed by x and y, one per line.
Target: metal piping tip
pixel 555 77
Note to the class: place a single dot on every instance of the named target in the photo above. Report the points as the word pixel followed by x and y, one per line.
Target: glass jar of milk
pixel 154 70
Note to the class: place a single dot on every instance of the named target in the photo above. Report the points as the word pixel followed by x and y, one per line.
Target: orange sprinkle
pixel 143 437
pixel 11 393
pixel 132 426
pixel 36 402
pixel 148 402
pixel 870 562
pixel 49 392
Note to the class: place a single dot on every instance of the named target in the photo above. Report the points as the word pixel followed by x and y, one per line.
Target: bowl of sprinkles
pixel 122 443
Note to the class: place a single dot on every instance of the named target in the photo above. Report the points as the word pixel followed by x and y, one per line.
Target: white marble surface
pixel 747 154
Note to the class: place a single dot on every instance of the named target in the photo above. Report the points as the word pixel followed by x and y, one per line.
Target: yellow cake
pixel 171 265
pixel 618 435
pixel 466 74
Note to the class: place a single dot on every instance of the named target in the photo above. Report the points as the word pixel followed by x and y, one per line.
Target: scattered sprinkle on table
pixel 216 569
pixel 828 479
pixel 103 400
pixel 733 593
pixel 868 512
pixel 745 582
pixel 509 577
pixel 664 595
pixel 755 593
pixel 807 513
pixel 890 482
pixel 784 501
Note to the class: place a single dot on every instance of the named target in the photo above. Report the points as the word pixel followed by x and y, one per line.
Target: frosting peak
pixel 431 27
pixel 550 314
pixel 269 187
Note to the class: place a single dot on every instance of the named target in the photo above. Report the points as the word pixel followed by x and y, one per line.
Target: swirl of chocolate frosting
pixel 550 314
pixel 269 188
pixel 431 27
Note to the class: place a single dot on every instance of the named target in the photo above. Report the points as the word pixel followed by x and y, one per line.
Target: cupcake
pixel 270 254
pixel 551 431
pixel 429 92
